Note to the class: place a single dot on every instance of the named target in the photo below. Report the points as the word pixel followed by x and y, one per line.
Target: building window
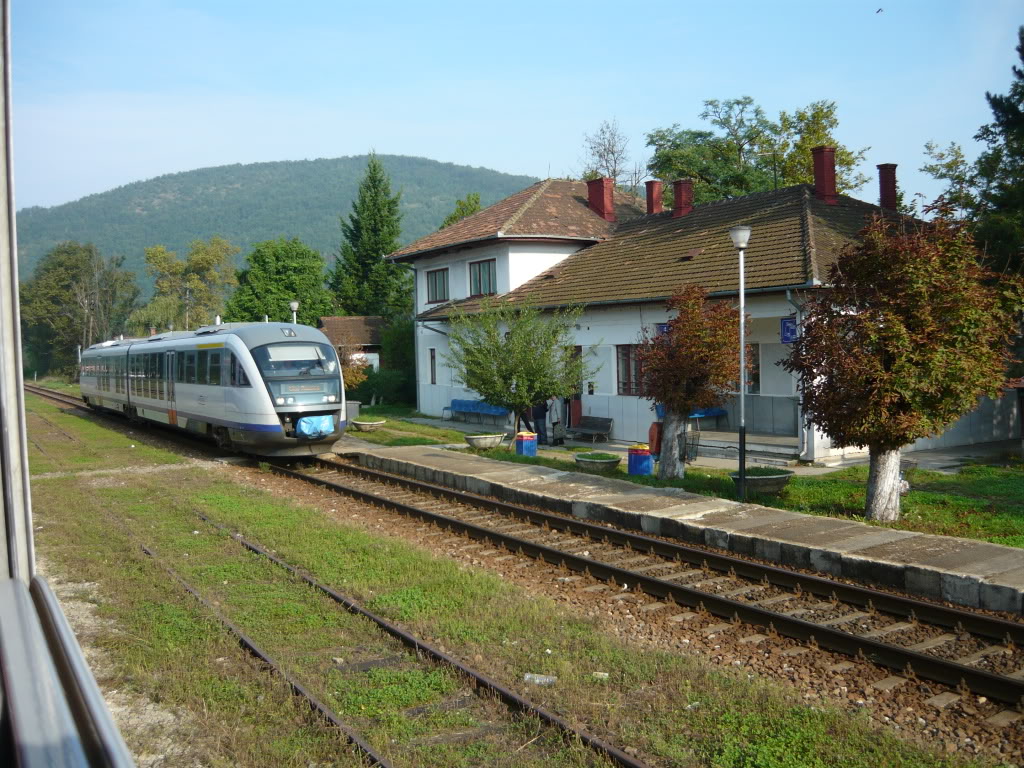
pixel 437 286
pixel 433 366
pixel 483 278
pixel 630 373
pixel 754 374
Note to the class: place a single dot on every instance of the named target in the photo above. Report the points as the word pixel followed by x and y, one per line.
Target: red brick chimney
pixel 599 198
pixel 682 191
pixel 825 174
pixel 654 197
pixel 887 186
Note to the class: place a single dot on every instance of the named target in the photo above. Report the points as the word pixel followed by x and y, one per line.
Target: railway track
pixel 418 652
pixel 915 639
pixel 57 397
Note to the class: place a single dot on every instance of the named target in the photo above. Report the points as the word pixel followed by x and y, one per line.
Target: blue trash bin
pixel 641 462
pixel 526 444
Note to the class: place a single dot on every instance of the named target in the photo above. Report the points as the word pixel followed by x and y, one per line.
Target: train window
pixel 238 377
pixel 190 367
pixel 161 369
pixel 296 359
pixel 203 367
pixel 215 368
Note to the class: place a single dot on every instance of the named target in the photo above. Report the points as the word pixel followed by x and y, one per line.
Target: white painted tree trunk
pixel 883 502
pixel 672 461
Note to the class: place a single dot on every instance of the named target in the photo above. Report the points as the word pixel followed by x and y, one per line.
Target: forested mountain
pixel 251 203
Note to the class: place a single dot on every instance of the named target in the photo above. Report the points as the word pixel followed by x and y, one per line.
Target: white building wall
pixel 527 260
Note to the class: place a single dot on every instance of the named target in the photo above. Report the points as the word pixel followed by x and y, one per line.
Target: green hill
pixel 250 203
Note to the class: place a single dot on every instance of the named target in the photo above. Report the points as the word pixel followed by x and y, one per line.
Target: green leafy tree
pixel 1000 174
pixel 363 282
pixel 911 332
pixel 692 365
pixel 463 208
pixel 515 356
pixel 278 272
pixel 75 297
pixel 189 292
pixel 949 165
pixel 747 152
pixel 796 134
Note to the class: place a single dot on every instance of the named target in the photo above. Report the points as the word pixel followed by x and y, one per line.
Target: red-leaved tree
pixel 692 365
pixel 910 333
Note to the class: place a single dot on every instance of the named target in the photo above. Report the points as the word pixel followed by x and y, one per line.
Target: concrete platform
pixel 963 571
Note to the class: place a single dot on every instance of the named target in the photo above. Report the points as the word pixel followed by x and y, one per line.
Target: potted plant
pixel 765 480
pixel 595 460
pixel 368 426
pixel 485 439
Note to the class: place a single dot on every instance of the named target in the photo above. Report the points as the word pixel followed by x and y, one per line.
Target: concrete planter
pixel 770 485
pixel 600 465
pixel 484 441
pixel 368 426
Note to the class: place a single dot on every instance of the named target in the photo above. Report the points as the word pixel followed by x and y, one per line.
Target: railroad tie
pixel 888 683
pixel 943 700
pixel 844 619
pixel 935 642
pixel 882 631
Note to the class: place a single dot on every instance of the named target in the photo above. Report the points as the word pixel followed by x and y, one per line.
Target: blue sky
pixel 108 92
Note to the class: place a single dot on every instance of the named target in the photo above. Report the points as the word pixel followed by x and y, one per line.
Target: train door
pixel 171 373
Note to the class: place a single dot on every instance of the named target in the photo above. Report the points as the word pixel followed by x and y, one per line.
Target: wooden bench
pixel 595 426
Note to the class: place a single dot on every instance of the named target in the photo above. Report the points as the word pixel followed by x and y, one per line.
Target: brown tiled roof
pixel 549 208
pixel 795 239
pixel 362 330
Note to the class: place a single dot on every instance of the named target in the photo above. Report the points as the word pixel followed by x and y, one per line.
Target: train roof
pixel 250 334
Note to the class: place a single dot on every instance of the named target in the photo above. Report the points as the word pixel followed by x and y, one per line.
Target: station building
pixel 560 243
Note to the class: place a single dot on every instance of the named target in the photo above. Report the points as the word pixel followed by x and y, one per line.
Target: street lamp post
pixel 740 237
pixel 294 305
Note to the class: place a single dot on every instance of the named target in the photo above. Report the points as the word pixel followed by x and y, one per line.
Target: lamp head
pixel 740 236
pixel 293 306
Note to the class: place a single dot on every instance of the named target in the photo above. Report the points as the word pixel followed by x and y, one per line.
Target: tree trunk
pixel 672 461
pixel 883 502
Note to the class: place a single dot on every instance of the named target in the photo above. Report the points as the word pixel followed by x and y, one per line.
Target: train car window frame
pixel 238 375
pixel 215 372
pixel 202 366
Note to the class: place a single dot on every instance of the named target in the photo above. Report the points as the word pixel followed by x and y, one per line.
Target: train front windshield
pixel 300 372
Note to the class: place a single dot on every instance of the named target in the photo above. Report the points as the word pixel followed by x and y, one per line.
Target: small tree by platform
pixel 910 334
pixel 516 356
pixel 692 365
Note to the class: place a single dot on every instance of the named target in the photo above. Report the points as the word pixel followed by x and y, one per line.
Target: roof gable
pixel 553 208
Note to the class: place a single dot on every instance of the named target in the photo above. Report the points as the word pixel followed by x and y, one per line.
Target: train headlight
pixel 332 398
pixel 323 399
pixel 280 401
pixel 291 400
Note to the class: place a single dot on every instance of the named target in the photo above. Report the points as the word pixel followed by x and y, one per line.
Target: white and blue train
pixel 269 389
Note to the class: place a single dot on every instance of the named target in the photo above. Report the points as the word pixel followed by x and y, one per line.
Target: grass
pixel 64 440
pixel 673 707
pixel 980 502
pixel 598 456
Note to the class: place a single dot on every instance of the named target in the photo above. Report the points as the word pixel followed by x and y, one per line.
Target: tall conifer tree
pixel 362 281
